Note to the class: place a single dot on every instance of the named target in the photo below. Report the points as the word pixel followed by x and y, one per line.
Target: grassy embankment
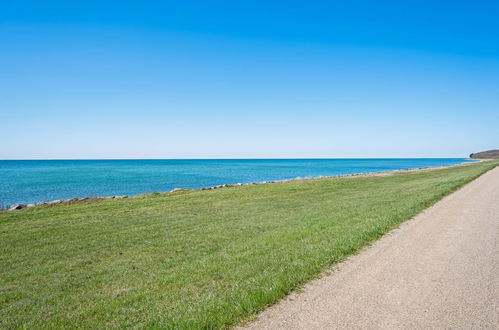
pixel 198 258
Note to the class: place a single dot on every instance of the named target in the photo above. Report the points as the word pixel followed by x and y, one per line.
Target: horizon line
pixel 249 158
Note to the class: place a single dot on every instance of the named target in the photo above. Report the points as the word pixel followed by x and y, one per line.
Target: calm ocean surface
pixel 32 181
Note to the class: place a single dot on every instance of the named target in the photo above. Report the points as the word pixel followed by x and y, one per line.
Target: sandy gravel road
pixel 438 270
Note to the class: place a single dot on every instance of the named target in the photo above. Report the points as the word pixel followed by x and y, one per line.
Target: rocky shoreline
pixel 60 201
pixel 19 206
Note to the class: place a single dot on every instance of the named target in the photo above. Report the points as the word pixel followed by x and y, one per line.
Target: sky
pixel 248 79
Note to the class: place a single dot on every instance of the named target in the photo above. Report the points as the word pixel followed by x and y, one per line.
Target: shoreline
pixel 73 200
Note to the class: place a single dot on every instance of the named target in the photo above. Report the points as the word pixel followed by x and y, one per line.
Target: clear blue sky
pixel 245 79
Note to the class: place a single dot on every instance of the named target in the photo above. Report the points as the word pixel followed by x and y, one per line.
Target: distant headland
pixel 489 154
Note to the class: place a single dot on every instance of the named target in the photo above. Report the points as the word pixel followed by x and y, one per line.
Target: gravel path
pixel 438 270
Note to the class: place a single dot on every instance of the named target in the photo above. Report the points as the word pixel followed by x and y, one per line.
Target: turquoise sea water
pixel 32 181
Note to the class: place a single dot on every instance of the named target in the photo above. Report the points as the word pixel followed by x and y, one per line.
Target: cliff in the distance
pixel 489 154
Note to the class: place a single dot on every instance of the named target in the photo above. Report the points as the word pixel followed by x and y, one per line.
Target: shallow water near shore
pixel 32 181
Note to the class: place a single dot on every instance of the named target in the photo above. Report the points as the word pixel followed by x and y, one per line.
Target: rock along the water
pixel 17 207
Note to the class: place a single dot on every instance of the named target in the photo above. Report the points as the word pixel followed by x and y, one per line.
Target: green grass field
pixel 197 259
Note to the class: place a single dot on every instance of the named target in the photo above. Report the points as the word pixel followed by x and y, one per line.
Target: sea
pixel 33 181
